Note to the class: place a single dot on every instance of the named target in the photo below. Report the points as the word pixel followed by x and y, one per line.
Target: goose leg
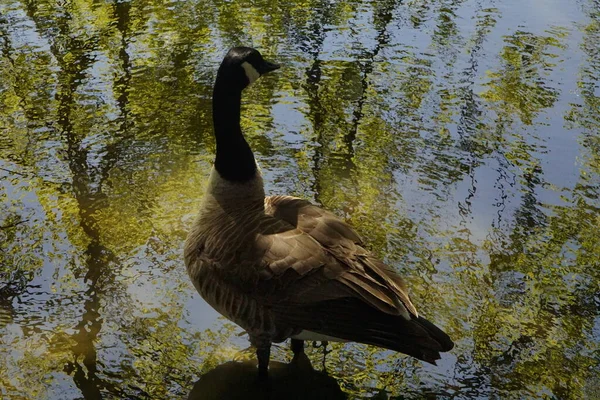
pixel 297 346
pixel 325 352
pixel 300 361
pixel 263 354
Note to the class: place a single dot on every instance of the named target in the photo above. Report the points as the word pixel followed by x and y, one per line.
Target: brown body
pixel 281 267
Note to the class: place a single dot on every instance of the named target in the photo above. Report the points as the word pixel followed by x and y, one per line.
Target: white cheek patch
pixel 251 72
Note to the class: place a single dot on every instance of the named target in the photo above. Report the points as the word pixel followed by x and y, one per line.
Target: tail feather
pixel 353 320
pixel 418 337
pixel 439 335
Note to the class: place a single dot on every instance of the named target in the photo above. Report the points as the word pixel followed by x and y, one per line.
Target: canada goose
pixel 281 267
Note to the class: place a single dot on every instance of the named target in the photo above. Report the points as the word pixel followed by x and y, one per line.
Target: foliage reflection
pixel 460 138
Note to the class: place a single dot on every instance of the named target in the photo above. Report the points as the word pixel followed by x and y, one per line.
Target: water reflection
pixel 460 138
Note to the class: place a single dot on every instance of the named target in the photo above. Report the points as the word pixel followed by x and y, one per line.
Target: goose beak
pixel 267 67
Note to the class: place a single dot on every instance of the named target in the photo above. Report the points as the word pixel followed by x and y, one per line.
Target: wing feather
pixel 365 275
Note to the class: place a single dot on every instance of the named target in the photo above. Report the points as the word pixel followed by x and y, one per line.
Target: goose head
pixel 242 66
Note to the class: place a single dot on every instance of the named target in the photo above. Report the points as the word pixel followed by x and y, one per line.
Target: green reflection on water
pixel 460 138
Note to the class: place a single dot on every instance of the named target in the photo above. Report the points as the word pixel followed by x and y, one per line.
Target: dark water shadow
pixel 238 380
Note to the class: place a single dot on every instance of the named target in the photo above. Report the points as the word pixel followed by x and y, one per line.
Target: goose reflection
pixel 237 380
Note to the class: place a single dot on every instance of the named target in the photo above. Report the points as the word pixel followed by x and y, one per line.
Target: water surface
pixel 460 138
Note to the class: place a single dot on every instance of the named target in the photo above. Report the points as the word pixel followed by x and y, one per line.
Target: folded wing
pixel 321 279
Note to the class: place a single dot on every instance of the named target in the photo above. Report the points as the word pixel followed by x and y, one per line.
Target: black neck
pixel 234 160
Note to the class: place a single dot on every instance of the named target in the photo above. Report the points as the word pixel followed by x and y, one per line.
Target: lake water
pixel 460 138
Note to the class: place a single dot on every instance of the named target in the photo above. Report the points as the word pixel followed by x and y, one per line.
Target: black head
pixel 242 66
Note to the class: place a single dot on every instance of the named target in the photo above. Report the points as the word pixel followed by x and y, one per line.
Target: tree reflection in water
pixel 459 138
